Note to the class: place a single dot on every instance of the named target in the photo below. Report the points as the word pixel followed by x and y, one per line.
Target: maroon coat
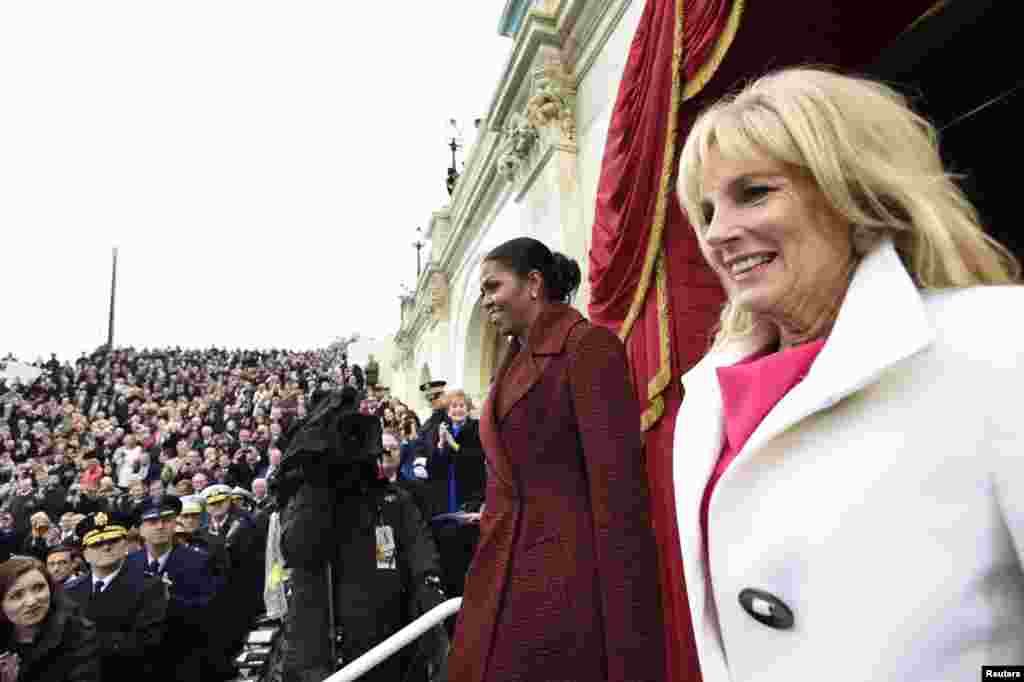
pixel 564 584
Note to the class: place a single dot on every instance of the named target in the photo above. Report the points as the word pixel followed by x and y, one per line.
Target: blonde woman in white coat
pixel 849 457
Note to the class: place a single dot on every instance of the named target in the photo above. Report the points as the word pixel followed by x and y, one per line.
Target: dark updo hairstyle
pixel 523 255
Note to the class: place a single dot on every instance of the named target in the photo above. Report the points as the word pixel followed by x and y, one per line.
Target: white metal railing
pixel 396 642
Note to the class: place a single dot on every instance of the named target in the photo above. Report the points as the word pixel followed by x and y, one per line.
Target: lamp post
pixel 418 245
pixel 454 136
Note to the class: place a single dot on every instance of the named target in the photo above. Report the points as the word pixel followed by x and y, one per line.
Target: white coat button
pixel 766 608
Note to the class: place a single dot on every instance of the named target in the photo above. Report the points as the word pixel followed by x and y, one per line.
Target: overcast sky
pixel 261 167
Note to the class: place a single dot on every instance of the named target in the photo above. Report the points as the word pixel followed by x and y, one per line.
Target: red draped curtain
pixel 648 280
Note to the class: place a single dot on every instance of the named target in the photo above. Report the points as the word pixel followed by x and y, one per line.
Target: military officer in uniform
pixel 188 532
pixel 221 514
pixel 240 602
pixel 242 502
pixel 426 443
pixel 128 607
pixel 190 583
pixel 189 521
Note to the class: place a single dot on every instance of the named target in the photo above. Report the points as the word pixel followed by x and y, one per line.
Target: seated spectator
pixel 184 488
pixel 259 493
pixel 199 482
pixel 409 468
pixel 45 636
pixel 67 528
pixel 60 562
pixel 42 536
pixel 391 458
pixel 273 461
pixel 107 491
pixel 9 541
pixel 133 501
pixel 134 465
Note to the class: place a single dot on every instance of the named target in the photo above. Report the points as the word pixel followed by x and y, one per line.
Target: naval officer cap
pixel 240 493
pixel 167 507
pixel 216 493
pixel 433 386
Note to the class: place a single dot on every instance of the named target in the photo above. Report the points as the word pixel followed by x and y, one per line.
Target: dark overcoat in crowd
pixel 10 543
pixel 457 541
pixel 22 507
pixel 238 553
pixel 192 587
pixel 129 616
pixel 468 463
pixel 564 583
pixel 426 439
pixel 64 651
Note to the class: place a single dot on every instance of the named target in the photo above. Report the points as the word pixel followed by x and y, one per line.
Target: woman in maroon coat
pixel 564 585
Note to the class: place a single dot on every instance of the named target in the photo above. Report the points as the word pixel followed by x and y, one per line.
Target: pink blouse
pixel 750 389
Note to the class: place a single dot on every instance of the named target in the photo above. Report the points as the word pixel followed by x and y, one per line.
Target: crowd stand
pixel 165 459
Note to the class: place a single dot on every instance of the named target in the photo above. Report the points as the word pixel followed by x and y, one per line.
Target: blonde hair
pixel 874 160
pixel 457 393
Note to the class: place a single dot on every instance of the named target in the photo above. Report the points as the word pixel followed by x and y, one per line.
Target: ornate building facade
pixel 532 171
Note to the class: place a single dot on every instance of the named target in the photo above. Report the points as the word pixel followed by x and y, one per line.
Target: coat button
pixel 766 608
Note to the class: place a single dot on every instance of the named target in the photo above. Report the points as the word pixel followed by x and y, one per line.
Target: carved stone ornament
pixel 438 287
pixel 520 136
pixel 553 101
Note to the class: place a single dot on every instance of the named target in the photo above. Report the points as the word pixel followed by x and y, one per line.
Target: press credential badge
pixel 386 558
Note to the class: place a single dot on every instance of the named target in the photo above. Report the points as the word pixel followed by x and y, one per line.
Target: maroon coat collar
pixel 521 369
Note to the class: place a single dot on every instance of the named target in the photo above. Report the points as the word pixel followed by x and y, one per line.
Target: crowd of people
pixel 119 428
pixel 126 455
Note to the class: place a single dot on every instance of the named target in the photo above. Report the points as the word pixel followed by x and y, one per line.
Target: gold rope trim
pixel 658 227
pixel 654 264
pixel 660 381
pixel 938 7
pixel 722 45
pixel 652 414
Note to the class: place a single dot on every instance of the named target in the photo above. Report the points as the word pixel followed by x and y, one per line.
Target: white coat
pixel 882 499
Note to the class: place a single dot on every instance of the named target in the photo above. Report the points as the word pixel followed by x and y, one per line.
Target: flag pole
pixel 113 288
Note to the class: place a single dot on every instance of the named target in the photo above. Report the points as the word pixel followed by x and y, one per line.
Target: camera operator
pixel 329 487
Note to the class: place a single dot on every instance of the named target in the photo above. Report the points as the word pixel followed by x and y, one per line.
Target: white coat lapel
pixel 700 427
pixel 882 321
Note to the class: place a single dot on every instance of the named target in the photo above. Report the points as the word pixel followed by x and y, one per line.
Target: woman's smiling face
pixel 457 409
pixel 769 234
pixel 506 298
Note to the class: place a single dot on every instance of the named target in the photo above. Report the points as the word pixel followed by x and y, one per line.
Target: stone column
pixel 551 110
